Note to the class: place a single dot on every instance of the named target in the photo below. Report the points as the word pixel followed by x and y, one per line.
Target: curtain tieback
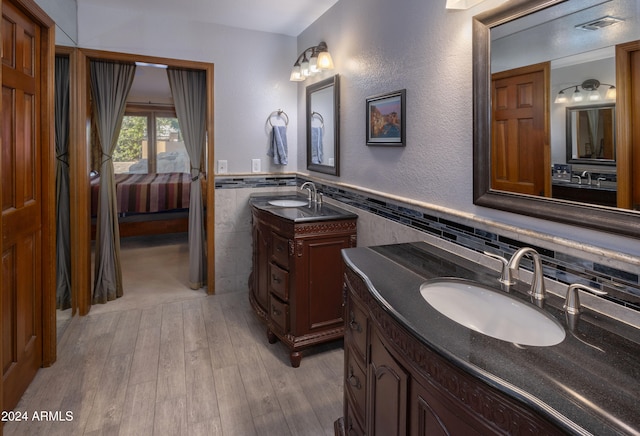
pixel 195 174
pixel 63 158
pixel 109 157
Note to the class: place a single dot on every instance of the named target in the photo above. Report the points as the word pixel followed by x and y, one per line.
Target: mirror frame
pixel 608 219
pixel 314 87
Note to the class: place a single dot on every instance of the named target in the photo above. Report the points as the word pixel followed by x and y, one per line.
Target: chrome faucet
pixel 313 197
pixel 577 177
pixel 587 174
pixel 510 269
pixel 572 301
pixel 572 305
pixel 505 275
pixel 537 282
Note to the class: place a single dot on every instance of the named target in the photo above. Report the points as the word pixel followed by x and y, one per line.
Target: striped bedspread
pixel 142 193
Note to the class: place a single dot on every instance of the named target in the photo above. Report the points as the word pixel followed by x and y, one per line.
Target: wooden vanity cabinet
pixel 396 385
pixel 296 283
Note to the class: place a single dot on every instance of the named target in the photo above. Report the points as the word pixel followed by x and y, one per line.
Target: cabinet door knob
pixel 354 381
pixel 275 278
pixel 353 324
pixel 275 312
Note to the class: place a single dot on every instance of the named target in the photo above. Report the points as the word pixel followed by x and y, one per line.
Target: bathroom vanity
pixel 296 282
pixel 409 369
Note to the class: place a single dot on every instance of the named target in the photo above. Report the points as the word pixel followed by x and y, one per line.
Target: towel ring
pixel 316 114
pixel 280 113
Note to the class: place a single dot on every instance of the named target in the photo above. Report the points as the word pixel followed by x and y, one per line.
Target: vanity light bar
pixel 599 23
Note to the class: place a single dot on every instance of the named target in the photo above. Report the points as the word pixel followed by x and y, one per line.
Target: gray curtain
pixel 189 90
pixel 593 115
pixel 110 85
pixel 63 241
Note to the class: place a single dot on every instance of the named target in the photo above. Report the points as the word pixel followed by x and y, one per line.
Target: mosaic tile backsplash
pixel 622 287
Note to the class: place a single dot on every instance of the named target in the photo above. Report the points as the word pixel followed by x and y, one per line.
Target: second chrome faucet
pixel 314 195
pixel 511 268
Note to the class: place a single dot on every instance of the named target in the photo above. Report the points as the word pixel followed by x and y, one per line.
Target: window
pixel 150 141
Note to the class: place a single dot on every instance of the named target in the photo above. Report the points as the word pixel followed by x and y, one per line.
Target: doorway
pixel 80 164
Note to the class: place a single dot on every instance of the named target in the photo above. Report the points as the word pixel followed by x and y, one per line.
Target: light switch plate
pixel 255 165
pixel 222 166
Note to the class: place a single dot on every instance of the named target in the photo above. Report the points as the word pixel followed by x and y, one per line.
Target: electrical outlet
pixel 222 166
pixel 255 165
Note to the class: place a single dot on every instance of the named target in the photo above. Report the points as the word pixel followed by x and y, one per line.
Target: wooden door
pixel 627 130
pixel 22 229
pixel 634 58
pixel 520 150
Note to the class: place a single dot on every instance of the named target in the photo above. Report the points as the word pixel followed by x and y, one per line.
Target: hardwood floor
pixel 199 366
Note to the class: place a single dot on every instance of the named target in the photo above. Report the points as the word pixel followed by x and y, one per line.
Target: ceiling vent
pixel 600 23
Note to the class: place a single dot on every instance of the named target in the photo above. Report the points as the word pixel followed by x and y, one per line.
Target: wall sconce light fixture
pixel 311 61
pixel 592 93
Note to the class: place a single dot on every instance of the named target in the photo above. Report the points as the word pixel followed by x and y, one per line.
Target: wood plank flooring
pixel 200 366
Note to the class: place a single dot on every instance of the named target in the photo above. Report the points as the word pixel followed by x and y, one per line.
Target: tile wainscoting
pixel 386 220
pixel 233 226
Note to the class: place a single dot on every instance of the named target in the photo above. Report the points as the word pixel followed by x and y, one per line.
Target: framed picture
pixel 386 119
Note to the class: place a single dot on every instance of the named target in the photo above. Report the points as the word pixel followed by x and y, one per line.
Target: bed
pixel 148 203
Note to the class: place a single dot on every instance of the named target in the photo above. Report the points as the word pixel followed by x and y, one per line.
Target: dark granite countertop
pixel 604 186
pixel 308 213
pixel 587 384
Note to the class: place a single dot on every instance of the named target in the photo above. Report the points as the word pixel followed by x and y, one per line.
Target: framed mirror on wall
pixel 591 134
pixel 323 126
pixel 578 41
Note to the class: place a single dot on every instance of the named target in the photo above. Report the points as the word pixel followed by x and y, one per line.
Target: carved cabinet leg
pixel 295 357
pixel 271 337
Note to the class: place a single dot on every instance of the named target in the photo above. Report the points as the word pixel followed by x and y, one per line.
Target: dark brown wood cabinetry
pixel 296 283
pixel 396 385
pixel 585 195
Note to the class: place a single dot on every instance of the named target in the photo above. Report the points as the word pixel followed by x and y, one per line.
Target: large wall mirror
pixel 323 126
pixel 568 63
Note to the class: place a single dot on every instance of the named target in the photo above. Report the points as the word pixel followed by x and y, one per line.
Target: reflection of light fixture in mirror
pixel 592 93
pixel 318 59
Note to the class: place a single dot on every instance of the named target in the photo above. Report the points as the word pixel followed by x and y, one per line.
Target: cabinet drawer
pixel 280 250
pixel 352 426
pixel 279 282
pixel 356 384
pixel 279 314
pixel 356 329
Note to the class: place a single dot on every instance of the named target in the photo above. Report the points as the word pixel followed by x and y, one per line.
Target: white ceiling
pixel 287 17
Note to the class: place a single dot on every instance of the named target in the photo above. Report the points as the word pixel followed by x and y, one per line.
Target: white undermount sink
pixel 288 203
pixel 492 313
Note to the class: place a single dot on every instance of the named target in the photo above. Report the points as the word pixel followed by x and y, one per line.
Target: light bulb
pixel 611 93
pixel 324 61
pixel 561 98
pixel 577 96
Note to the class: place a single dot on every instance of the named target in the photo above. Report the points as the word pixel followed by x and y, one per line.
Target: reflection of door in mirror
pixel 635 109
pixel 520 151
pixel 628 130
